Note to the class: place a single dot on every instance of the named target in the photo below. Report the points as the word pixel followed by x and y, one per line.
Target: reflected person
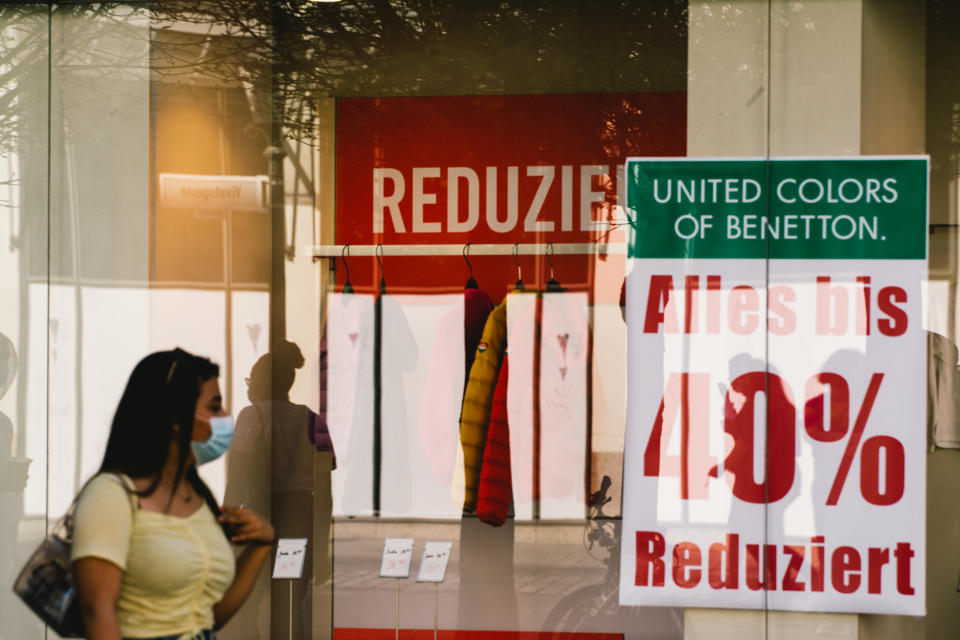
pixel 300 449
pixel 13 482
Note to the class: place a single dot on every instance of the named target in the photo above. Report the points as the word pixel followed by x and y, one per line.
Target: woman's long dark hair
pixel 158 404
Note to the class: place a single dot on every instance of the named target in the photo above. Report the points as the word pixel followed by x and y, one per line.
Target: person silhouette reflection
pixel 283 480
pixel 13 482
pixel 757 508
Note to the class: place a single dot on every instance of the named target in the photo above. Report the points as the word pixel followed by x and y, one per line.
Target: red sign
pixel 490 169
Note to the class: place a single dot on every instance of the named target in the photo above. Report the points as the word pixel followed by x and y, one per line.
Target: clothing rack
pixel 526 249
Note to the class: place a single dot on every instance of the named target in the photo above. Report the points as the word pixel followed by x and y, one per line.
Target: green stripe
pixel 850 209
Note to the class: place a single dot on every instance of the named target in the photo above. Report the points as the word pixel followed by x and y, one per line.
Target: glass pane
pixel 24 268
pixel 619 307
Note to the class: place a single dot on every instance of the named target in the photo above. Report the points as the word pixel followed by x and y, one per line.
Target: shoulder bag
pixel 45 583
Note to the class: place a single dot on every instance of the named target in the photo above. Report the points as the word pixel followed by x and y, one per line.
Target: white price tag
pixel 433 565
pixel 397 553
pixel 291 553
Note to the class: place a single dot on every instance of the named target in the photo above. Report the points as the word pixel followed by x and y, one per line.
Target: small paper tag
pixel 433 566
pixel 397 553
pixel 291 553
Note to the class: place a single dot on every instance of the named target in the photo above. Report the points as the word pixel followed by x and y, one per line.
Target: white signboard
pixel 191 191
pixel 291 553
pixel 433 565
pixel 775 450
pixel 397 554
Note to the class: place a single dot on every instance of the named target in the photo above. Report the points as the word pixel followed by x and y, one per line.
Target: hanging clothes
pixel 563 391
pixel 422 394
pixel 486 554
pixel 533 452
pixel 476 308
pixel 347 403
pixel 495 492
pixel 403 337
pixel 449 334
pixel 523 402
pixel 478 398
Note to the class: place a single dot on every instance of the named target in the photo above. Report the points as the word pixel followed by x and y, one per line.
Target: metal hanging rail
pixel 529 249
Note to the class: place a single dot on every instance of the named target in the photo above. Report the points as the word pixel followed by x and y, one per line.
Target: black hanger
pixel 383 283
pixel 347 287
pixel 471 283
pixel 552 284
pixel 518 286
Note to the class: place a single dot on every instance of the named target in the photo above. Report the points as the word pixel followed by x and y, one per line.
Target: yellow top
pixel 174 569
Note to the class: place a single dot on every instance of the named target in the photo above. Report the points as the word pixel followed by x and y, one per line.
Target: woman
pixel 151 556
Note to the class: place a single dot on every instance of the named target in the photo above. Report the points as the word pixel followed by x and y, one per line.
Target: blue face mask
pixel 221 435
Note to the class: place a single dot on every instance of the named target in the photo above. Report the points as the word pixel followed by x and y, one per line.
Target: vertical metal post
pixel 227 230
pixel 278 299
pixel 436 608
pixel 274 155
pixel 397 629
pixel 290 630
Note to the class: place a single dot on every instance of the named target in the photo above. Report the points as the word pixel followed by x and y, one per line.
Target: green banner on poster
pixel 838 208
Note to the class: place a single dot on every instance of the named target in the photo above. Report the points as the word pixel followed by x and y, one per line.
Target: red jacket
pixel 494 491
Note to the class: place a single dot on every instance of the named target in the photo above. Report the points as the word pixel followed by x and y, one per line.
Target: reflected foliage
pixel 309 50
pixel 943 104
pixel 91 44
pixel 289 53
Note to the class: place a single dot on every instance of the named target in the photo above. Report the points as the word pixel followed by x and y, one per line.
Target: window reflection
pixel 95 270
pixel 14 474
pixel 281 459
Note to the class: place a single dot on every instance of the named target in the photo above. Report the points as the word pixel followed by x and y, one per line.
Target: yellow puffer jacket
pixel 478 398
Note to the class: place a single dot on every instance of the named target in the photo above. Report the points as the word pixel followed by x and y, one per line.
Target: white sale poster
pixel 775 453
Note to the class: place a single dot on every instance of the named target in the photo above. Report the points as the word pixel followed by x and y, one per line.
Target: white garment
pixel 563 405
pixel 943 428
pixel 422 371
pixel 521 332
pixel 350 337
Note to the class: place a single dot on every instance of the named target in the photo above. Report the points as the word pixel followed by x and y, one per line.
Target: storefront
pixel 625 320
